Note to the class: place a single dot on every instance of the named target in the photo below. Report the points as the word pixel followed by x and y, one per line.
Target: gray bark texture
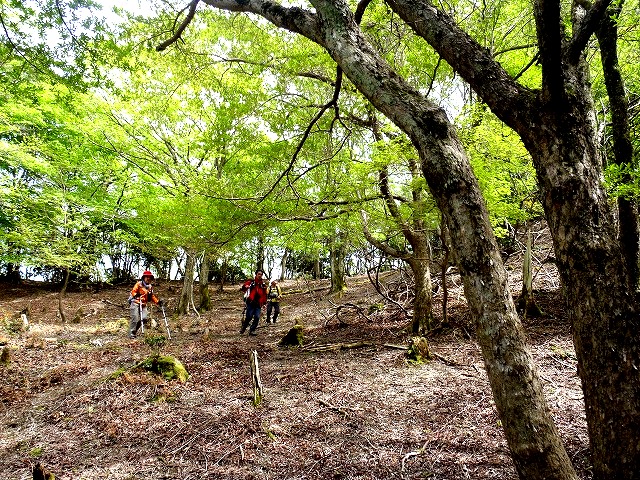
pixel 186 296
pixel 556 124
pixel 205 295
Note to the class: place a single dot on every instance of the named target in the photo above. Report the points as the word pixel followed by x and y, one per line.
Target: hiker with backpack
pixel 273 296
pixel 141 294
pixel 255 297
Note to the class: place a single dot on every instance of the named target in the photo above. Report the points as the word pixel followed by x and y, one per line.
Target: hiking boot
pixel 131 335
pixel 242 331
pixel 252 333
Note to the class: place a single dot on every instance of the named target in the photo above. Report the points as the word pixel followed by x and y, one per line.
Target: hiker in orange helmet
pixel 141 294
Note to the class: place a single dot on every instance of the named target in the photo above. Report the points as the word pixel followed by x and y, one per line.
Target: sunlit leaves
pixel 503 168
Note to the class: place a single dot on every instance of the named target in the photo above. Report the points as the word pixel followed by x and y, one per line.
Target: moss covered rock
pixel 167 366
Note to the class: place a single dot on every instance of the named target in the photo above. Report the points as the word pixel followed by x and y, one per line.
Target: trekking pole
pixel 140 316
pixel 166 323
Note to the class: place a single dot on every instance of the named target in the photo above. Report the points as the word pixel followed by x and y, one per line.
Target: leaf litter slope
pixel 347 405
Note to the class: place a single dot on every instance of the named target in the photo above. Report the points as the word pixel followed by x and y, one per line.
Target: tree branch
pixel 468 58
pixel 187 20
pixel 586 27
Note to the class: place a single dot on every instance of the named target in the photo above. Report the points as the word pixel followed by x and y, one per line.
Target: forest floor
pixel 346 405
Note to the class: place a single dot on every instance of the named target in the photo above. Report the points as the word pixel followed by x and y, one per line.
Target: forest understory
pixel 345 405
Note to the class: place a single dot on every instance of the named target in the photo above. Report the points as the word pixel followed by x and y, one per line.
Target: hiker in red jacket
pixel 255 297
pixel 141 294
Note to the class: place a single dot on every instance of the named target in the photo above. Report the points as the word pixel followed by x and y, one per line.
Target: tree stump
pixel 294 337
pixel 40 473
pixel 5 355
pixel 418 350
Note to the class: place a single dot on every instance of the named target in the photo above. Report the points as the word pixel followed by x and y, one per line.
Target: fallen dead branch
pixel 339 308
pixel 109 302
pixel 340 410
pixel 415 453
pixel 304 290
pixel 446 361
pixel 331 347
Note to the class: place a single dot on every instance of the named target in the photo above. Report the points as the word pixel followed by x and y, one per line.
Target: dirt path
pixel 357 413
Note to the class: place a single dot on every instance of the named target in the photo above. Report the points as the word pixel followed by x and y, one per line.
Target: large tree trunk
pixel 205 295
pixel 599 297
pixel 186 296
pixel 557 127
pixel 423 300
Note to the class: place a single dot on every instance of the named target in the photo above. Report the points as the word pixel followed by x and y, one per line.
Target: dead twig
pixel 341 410
pixel 446 361
pixel 108 302
pixel 229 452
pixel 409 455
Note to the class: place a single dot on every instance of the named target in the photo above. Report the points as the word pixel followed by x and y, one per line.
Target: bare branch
pixel 187 20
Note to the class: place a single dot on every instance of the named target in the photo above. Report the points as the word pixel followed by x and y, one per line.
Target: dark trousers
pixel 275 306
pixel 253 313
